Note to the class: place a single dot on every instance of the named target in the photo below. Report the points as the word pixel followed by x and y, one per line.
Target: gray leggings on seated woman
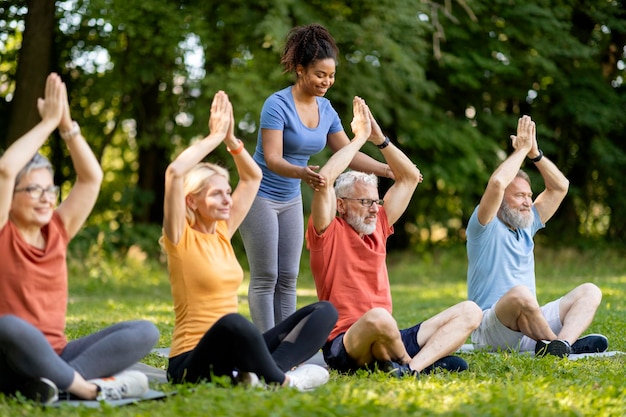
pixel 25 354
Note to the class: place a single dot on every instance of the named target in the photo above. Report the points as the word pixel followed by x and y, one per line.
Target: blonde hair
pixel 197 179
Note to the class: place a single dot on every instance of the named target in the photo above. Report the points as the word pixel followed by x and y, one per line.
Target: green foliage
pixel 11 30
pixel 447 81
pixel 107 288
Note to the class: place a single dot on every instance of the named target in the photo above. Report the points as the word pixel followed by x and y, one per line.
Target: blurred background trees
pixel 447 80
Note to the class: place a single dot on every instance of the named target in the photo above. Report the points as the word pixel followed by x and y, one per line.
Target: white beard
pixel 516 218
pixel 359 224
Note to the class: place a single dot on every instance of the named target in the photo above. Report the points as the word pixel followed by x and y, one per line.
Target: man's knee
pixel 471 313
pixel 588 294
pixel 520 296
pixel 379 321
pixel 592 292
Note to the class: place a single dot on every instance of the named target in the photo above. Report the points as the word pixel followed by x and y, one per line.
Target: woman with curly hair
pixel 296 123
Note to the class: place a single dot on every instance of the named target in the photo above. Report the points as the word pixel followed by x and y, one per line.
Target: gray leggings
pixel 26 354
pixel 272 234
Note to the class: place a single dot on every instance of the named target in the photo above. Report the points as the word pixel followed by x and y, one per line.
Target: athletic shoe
pixel 591 343
pixel 557 347
pixel 41 390
pixel 448 363
pixel 307 376
pixel 248 379
pixel 396 369
pixel 126 384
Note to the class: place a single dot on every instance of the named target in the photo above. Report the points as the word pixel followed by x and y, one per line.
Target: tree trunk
pixel 153 158
pixel 33 67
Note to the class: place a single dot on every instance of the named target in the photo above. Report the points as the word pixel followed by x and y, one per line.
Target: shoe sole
pixel 559 350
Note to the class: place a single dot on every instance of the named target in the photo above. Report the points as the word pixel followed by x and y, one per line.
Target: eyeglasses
pixel 365 202
pixel 37 191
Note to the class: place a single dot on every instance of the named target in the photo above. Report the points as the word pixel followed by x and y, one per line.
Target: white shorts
pixel 493 335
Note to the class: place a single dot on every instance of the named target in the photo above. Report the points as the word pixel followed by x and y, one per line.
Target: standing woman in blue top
pixel 296 122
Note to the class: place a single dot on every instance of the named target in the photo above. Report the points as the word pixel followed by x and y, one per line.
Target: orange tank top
pixel 204 276
pixel 33 281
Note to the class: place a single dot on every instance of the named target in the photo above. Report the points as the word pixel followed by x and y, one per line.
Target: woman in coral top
pixel 201 214
pixel 35 357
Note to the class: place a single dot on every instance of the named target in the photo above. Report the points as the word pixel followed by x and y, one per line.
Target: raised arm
pixel 250 176
pixel 75 209
pixel 506 172
pixel 174 199
pixel 549 200
pixel 324 205
pixel 405 173
pixel 22 150
pixel 361 161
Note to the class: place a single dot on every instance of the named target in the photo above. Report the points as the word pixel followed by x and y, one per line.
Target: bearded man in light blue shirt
pixel 501 266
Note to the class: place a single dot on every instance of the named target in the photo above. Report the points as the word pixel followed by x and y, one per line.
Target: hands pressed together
pixel 222 120
pixel 362 125
pixel 55 107
pixel 526 138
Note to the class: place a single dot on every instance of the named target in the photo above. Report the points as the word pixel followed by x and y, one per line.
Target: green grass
pixel 105 291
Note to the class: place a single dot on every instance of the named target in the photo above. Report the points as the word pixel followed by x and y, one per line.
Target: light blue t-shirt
pixel 499 259
pixel 299 141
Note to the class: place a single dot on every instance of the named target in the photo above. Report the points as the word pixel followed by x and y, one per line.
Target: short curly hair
pixel 306 44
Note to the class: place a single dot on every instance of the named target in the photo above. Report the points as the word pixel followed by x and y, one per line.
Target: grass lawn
pixel 103 292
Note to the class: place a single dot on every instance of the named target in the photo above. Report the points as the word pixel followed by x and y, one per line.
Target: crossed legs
pixel 375 336
pixel 519 310
pixel 26 354
pixel 444 333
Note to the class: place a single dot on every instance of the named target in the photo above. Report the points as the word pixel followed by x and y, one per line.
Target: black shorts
pixel 338 359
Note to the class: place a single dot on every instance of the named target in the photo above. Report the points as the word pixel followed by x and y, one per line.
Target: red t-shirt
pixel 350 271
pixel 33 282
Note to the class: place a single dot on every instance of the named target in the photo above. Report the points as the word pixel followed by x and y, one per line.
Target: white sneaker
pixel 307 376
pixel 248 379
pixel 126 384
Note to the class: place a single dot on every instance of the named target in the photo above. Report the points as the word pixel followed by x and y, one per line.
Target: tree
pixel 33 65
pixel 552 60
pixel 446 80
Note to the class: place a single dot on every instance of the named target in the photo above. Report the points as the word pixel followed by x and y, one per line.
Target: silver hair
pixel 345 182
pixel 523 175
pixel 38 161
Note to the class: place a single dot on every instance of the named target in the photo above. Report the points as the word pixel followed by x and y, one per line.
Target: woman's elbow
pixel 99 175
pixel 257 173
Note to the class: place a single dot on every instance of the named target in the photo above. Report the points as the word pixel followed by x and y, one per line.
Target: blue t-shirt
pixel 499 259
pixel 299 141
